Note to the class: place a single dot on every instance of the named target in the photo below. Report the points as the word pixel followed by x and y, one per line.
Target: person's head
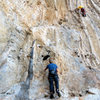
pixel 50 60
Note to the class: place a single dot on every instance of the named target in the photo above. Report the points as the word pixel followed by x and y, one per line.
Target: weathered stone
pixel 60 32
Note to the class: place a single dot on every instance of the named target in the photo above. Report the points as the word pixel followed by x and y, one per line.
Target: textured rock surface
pixel 61 33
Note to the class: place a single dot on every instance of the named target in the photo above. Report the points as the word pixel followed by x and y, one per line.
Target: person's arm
pixel 46 68
pixel 57 70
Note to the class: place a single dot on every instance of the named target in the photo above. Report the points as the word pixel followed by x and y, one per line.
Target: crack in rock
pixel 24 91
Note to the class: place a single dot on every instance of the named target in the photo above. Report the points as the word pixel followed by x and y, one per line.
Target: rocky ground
pixel 59 32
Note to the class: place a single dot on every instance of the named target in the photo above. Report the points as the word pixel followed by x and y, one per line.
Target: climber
pixel 53 77
pixel 82 10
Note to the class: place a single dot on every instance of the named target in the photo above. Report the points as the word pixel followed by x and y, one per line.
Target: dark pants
pixel 51 85
pixel 83 14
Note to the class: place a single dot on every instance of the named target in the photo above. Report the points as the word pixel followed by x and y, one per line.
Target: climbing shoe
pixel 51 96
pixel 59 94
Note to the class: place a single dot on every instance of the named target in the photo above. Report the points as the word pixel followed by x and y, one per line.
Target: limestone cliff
pixel 59 32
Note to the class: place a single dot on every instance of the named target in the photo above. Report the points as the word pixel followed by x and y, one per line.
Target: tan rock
pixel 61 33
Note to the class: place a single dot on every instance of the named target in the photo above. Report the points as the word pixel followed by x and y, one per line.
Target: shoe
pixel 51 96
pixel 59 94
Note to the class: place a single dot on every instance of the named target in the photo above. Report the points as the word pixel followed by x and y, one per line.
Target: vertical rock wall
pixel 60 32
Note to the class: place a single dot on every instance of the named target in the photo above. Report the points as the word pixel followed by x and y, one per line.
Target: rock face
pixel 59 32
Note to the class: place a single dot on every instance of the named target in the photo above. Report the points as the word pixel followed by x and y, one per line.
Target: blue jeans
pixel 51 85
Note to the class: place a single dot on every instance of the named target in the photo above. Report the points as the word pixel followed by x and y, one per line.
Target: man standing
pixel 53 77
